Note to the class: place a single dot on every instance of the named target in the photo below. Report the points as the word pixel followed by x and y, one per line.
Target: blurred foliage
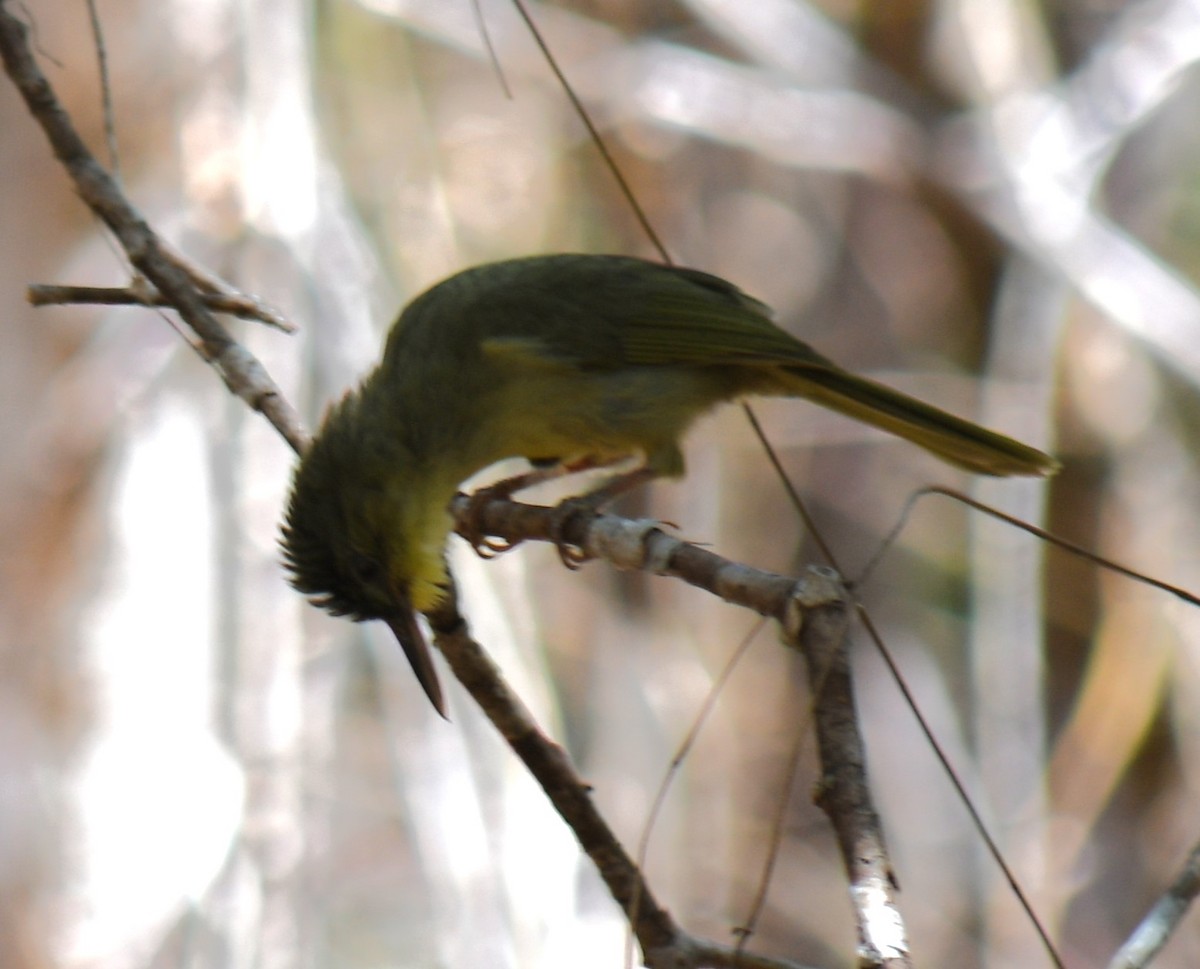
pixel 990 205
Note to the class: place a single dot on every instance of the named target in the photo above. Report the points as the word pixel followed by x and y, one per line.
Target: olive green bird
pixel 568 360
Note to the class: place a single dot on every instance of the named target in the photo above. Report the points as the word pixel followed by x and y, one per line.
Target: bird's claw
pixel 571 555
pixel 471 527
pixel 489 548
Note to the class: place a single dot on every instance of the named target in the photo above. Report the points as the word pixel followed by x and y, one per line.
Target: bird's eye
pixel 365 570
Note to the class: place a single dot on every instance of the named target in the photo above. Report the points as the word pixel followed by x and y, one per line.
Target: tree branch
pixel 843 793
pixel 241 371
pixel 235 304
pixel 664 945
pixel 814 614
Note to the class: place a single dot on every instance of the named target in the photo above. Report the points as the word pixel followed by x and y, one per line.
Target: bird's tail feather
pixel 954 440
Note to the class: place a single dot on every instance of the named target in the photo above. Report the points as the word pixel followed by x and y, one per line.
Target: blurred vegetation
pixel 990 205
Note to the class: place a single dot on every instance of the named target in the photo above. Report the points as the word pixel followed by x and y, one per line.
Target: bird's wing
pixel 644 314
pixel 696 319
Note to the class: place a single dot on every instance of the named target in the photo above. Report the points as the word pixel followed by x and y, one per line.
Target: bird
pixel 569 360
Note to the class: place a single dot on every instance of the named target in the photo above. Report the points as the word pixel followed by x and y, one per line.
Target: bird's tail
pixel 950 438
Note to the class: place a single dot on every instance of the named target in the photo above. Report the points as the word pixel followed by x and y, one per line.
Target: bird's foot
pixel 562 518
pixel 564 514
pixel 589 505
pixel 471 524
pixel 471 527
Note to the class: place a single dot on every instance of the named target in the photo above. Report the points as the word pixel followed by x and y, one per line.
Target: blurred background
pixel 991 204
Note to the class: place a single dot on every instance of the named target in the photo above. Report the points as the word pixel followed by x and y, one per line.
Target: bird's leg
pixel 594 501
pixel 472 529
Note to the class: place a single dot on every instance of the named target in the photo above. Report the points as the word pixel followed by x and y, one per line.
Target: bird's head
pixel 363 536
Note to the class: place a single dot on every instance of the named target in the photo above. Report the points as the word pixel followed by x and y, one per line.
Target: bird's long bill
pixel 403 623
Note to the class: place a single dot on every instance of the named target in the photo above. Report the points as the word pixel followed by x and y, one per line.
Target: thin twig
pixel 485 34
pixel 585 117
pixel 1191 598
pixel 778 829
pixel 106 99
pixel 235 304
pixel 681 752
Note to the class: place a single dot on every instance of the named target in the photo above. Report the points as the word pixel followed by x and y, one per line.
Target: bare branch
pixel 814 613
pixel 639 544
pixel 243 374
pixel 820 635
pixel 235 304
pixel 664 945
pixel 1163 918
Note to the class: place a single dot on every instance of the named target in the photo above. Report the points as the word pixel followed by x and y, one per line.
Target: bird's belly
pixel 561 415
